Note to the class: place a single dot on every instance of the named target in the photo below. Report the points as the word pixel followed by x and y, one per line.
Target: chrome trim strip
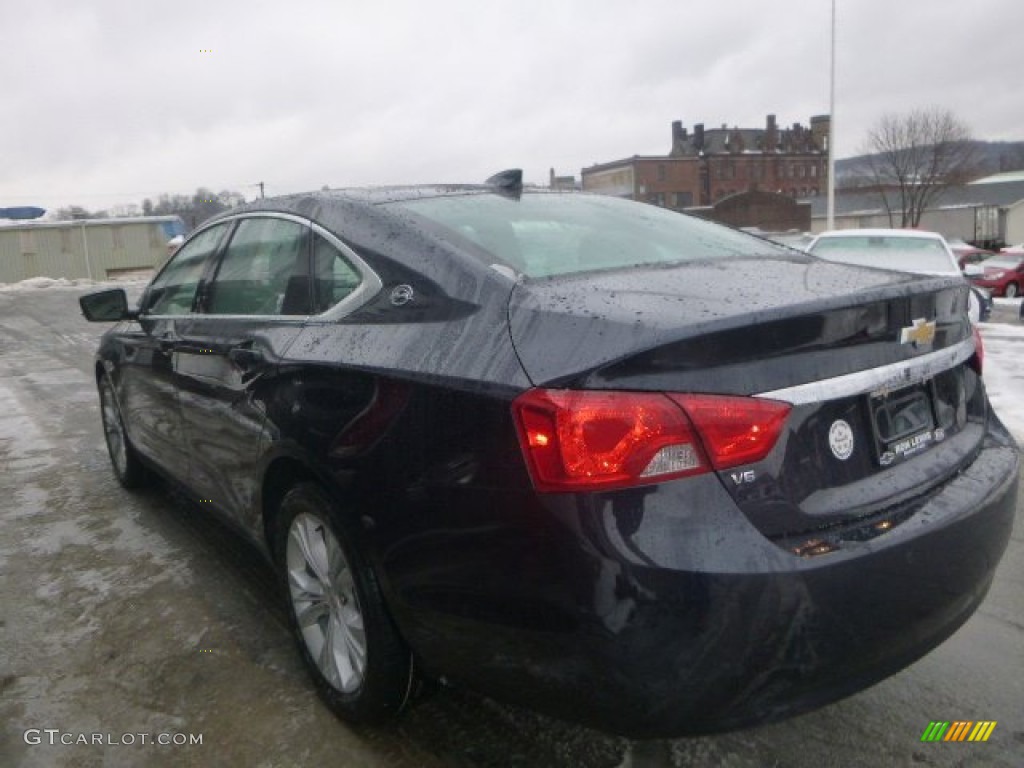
pixel 885 378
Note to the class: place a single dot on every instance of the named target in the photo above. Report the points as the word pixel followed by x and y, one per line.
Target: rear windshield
pixel 907 254
pixel 541 235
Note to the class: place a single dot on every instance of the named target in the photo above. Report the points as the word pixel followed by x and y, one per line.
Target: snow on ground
pixel 1012 303
pixel 40 283
pixel 1004 372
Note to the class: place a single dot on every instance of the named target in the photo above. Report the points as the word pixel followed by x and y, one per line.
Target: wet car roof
pixel 397 194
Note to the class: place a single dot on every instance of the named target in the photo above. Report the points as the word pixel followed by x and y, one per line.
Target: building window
pixel 801 170
pixel 684 199
pixel 814 171
pixel 661 172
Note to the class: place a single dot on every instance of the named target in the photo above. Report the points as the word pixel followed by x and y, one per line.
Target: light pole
pixel 830 222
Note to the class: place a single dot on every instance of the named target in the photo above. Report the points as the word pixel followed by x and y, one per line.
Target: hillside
pixel 993 157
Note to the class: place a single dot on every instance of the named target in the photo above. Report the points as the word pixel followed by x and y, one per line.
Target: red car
pixel 968 254
pixel 1003 274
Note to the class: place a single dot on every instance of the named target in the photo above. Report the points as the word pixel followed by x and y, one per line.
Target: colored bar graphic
pixel 982 731
pixel 958 730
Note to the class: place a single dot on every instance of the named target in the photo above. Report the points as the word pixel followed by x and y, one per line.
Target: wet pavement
pixel 127 619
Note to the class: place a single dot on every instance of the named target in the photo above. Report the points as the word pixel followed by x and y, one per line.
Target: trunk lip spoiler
pixel 880 381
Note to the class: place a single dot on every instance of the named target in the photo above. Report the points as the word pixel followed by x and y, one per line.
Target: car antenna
pixel 508 183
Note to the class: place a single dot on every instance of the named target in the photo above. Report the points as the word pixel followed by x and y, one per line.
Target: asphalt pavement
pixel 127 620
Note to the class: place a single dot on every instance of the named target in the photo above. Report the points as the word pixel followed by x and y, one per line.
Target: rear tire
pixel 1011 290
pixel 128 467
pixel 360 665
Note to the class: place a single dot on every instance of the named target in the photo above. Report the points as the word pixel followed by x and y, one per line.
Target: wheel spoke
pixel 308 535
pixel 309 612
pixel 355 639
pixel 304 585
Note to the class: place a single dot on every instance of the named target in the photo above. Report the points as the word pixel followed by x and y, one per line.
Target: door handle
pixel 246 357
pixel 167 340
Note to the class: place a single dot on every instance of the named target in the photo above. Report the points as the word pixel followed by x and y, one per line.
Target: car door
pixel 145 378
pixel 227 354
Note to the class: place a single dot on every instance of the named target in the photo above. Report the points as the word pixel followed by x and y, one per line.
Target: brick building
pixel 706 166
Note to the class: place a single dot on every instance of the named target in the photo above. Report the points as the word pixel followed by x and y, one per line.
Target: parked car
pixel 968 255
pixel 909 250
pixel 1002 274
pixel 983 296
pixel 531 443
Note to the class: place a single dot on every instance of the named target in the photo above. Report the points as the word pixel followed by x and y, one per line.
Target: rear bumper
pixel 663 612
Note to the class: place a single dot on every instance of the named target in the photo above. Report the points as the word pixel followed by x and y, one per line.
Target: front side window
pixel 174 289
pixel 264 270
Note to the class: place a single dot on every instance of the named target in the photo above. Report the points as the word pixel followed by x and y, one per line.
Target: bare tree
pixel 914 157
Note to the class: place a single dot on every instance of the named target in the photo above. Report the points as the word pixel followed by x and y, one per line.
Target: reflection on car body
pixel 566 467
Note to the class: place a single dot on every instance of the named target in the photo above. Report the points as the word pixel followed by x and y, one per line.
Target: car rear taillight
pixel 596 440
pixel 735 430
pixel 978 361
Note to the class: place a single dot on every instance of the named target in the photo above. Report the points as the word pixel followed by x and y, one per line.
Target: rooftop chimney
pixel 771 134
pixel 678 135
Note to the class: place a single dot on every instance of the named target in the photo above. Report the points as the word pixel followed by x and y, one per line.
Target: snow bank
pixel 1004 373
pixel 46 283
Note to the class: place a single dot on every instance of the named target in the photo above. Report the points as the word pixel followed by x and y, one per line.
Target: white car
pixel 904 250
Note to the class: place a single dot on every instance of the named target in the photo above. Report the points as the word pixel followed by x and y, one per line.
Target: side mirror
pixel 107 306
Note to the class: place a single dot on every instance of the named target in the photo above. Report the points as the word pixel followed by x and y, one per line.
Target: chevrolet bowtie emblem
pixel 921 332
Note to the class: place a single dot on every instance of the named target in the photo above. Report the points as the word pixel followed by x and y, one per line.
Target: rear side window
pixel 174 289
pixel 551 234
pixel 264 270
pixel 334 277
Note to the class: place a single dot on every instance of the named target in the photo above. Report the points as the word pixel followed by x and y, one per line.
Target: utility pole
pixel 830 222
pixel 260 185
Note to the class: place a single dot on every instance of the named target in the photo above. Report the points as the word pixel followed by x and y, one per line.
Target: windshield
pixel 541 235
pixel 908 254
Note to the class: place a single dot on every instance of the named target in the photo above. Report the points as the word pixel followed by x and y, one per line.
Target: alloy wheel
pixel 323 597
pixel 113 429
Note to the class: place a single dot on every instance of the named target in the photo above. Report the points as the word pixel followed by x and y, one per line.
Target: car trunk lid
pixel 875 364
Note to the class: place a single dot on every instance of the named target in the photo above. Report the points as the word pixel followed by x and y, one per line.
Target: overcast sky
pixel 111 101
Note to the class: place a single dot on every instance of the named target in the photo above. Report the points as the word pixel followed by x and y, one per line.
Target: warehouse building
pixel 98 249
